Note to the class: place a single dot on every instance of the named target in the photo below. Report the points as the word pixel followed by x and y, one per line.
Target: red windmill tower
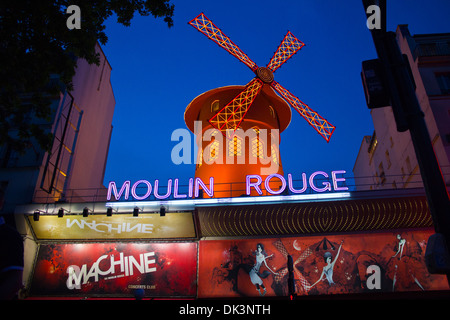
pixel 254 106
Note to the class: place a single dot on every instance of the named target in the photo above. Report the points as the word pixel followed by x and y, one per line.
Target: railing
pixel 222 190
pixel 432 49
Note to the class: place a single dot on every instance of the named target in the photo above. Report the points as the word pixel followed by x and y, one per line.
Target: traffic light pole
pixel 403 97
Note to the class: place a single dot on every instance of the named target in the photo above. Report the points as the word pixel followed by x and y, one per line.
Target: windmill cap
pixel 280 106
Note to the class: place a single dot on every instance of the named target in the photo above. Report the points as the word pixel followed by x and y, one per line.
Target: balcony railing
pixel 433 49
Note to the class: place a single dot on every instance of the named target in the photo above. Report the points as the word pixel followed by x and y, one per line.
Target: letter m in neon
pixel 113 189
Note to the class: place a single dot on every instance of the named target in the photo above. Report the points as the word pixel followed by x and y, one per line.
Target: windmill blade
pixel 288 47
pixel 207 27
pixel 230 116
pixel 322 126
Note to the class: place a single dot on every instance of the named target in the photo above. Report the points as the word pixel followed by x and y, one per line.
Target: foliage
pixel 36 45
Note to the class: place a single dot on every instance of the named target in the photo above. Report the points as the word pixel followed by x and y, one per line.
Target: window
pixel 215 106
pixel 372 146
pixel 274 154
pixel 214 150
pixel 408 165
pixel 388 159
pixel 235 147
pixel 3 185
pixel 382 174
pixel 272 112
pixel 200 158
pixel 257 148
pixel 427 49
pixel 443 80
pixel 257 145
pixel 58 162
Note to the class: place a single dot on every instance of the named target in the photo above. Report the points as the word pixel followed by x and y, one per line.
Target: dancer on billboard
pixel 256 276
pixel 401 245
pixel 327 271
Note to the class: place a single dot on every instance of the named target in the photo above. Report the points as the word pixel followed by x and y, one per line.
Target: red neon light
pixel 288 47
pixel 230 116
pixel 209 29
pixel 322 126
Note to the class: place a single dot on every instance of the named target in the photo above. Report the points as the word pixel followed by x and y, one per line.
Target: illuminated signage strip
pixel 254 184
pixel 173 205
pixel 145 226
pixel 234 201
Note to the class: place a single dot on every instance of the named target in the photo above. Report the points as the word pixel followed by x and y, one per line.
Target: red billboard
pixel 331 264
pixel 155 269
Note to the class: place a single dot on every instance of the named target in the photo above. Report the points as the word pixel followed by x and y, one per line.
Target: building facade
pixel 184 246
pixel 340 243
pixel 81 124
pixel 386 159
pixel 254 148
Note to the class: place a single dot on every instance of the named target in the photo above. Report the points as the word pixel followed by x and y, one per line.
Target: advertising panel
pixel 334 264
pixel 125 226
pixel 155 269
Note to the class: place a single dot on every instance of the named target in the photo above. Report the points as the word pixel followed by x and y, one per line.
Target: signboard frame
pixel 99 227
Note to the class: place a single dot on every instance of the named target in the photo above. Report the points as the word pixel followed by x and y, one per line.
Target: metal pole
pixel 402 88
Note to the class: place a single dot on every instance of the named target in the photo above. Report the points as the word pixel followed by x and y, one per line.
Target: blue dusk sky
pixel 157 71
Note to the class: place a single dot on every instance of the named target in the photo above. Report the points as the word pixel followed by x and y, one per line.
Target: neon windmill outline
pixel 230 116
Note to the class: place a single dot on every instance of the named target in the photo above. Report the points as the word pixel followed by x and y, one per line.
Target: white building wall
pixel 391 161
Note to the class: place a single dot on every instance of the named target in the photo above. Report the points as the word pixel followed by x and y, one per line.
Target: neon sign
pixel 326 184
pixel 253 182
pixel 126 189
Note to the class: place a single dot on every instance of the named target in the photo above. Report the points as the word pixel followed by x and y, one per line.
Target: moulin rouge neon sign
pixel 253 182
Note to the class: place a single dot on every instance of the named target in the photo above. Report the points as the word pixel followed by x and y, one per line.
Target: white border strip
pixel 235 201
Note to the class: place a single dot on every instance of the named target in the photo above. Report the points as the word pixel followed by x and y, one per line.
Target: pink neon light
pixel 169 190
pixel 147 194
pixel 112 188
pixel 191 181
pixel 326 183
pixel 209 192
pixel 196 183
pixel 291 187
pixel 267 181
pixel 249 184
pixel 336 180
pixel 175 191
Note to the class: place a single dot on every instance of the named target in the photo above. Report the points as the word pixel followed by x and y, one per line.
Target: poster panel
pixel 334 264
pixel 118 226
pixel 156 269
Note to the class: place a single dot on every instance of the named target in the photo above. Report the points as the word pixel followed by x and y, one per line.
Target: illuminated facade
pixel 80 148
pixel 254 112
pixel 206 248
pixel 253 149
pixel 387 160
pixel 155 240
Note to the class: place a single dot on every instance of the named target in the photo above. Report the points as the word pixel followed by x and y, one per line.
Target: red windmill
pixel 231 115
